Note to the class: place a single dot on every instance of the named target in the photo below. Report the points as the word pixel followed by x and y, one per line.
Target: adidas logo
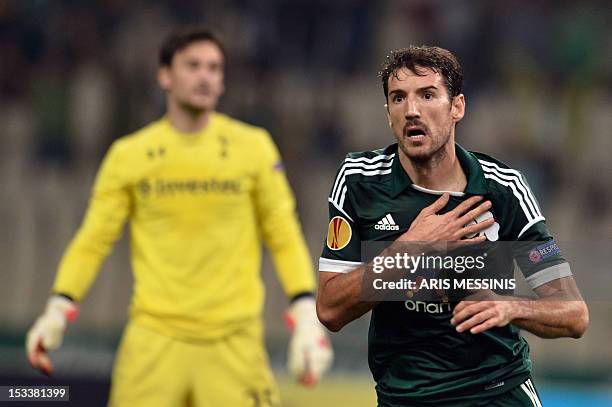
pixel 386 223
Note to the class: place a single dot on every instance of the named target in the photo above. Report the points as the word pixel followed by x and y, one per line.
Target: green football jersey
pixel 415 354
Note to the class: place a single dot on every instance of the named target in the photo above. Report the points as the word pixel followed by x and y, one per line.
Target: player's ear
pixel 163 77
pixel 388 115
pixel 458 107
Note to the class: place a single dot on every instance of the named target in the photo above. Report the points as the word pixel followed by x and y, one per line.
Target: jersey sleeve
pixel 342 246
pixel 535 251
pixel 108 208
pixel 277 217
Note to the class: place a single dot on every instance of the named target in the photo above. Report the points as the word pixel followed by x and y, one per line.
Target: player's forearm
pixel 552 318
pixel 347 296
pixel 340 299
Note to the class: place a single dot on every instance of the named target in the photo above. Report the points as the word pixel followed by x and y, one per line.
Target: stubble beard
pixel 429 158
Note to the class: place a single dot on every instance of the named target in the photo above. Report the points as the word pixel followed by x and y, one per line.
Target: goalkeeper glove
pixel 48 331
pixel 310 353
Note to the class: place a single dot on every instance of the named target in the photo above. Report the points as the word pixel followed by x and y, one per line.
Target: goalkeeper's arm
pixel 103 223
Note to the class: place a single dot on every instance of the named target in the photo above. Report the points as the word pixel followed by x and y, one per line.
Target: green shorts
pixel 523 395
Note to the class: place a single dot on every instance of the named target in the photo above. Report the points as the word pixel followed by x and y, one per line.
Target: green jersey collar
pixel 476 183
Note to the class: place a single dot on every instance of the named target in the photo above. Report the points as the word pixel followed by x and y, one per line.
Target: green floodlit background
pixel 75 75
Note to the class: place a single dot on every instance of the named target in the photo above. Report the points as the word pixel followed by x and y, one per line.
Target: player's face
pixel 194 80
pixel 421 114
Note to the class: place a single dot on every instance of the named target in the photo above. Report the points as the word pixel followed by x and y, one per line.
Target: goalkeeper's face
pixel 194 80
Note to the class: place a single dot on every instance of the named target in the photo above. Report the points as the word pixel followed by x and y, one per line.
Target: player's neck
pixel 187 121
pixel 442 172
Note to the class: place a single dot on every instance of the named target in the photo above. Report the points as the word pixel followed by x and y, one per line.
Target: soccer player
pixel 427 188
pixel 200 191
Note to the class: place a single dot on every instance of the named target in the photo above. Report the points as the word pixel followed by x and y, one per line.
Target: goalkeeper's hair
pixel 185 36
pixel 415 58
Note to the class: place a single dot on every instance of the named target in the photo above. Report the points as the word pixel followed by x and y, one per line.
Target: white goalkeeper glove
pixel 47 332
pixel 310 354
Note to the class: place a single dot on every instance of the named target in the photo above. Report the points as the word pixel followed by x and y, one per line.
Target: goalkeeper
pixel 200 191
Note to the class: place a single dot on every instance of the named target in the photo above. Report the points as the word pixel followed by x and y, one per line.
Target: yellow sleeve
pixel 102 225
pixel 279 224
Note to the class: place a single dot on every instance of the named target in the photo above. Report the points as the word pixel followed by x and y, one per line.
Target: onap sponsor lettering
pixel 428 307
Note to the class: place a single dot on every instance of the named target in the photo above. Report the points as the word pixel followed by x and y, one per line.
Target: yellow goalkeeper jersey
pixel 199 206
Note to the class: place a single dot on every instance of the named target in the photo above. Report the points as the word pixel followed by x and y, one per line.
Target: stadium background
pixel 75 75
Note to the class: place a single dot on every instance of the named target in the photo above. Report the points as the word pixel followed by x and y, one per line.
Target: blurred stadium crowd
pixel 75 75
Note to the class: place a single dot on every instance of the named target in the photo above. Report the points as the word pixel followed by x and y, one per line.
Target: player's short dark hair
pixel 182 38
pixel 438 59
